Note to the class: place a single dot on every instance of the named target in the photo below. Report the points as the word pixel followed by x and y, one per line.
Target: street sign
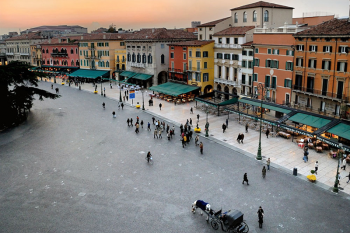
pixel 132 94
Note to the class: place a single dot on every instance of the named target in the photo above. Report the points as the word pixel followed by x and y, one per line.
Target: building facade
pixel 321 79
pixel 36 57
pixel 207 30
pixel 3 60
pixel 120 62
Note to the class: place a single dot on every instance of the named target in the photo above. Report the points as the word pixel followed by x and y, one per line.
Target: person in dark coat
pixel 245 179
pixel 242 137
pixel 223 128
pixel 201 147
pixel 131 122
pixel 267 133
pixel 260 216
pixel 122 106
pixel 160 106
pixel 246 128
pixel 142 124
pixel 128 121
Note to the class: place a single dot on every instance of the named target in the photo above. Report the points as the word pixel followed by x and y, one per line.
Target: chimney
pixel 104 37
pixel 49 40
pixel 82 37
pixel 59 40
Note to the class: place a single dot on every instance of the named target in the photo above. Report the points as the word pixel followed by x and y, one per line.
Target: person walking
pixel 160 106
pixel 190 121
pixel 226 123
pixel 124 93
pixel 197 117
pixel 137 119
pixel 348 178
pixel 103 105
pixel 142 124
pixel 137 128
pixel 245 178
pixel 157 124
pixel 167 128
pixel 160 133
pixel 260 216
pixel 201 147
pixel 122 106
pixel 223 128
pixel 148 126
pixel 267 133
pixel 268 164
pixel 113 114
pixel 191 110
pixel 131 122
pixel 344 164
pixel 155 134
pixel 51 86
pixel 128 121
pixel 263 172
pixel 305 158
pixel 316 167
pixel 153 119
pixel 168 135
pixel 196 140
pixel 127 98
pixel 173 129
pixel 246 128
pixel 124 98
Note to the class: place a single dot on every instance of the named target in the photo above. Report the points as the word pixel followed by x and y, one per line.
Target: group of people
pixel 240 138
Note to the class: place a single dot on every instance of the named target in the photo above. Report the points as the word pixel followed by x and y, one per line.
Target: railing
pixel 176 70
pixel 9 54
pixel 326 94
pixel 91 48
pixel 59 54
pixel 232 46
pixel 225 81
pixel 139 65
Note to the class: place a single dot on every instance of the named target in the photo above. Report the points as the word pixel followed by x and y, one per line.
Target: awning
pixel 342 130
pixel 93 74
pixel 60 67
pixel 173 89
pixel 228 102
pixel 141 76
pixel 310 120
pixel 265 105
pixel 128 74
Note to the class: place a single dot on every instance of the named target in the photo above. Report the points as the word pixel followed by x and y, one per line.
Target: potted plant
pixel 312 177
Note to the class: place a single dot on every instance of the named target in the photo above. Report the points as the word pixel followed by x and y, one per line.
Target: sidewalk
pixel 282 152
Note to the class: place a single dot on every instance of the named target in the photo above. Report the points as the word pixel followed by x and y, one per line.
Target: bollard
pixel 295 171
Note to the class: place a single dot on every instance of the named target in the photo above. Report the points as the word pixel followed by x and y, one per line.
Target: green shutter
pixel 287 52
pixel 265 63
pixel 276 65
pixel 291 66
pixel 292 53
pixel 286 65
pixel 278 51
pixel 285 83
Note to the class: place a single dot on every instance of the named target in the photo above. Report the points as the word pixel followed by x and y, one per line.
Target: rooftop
pixel 247 44
pixel 161 34
pixel 105 36
pixel 234 31
pixel 332 27
pixel 213 23
pixel 29 36
pixel 261 4
pixel 192 43
pixel 55 41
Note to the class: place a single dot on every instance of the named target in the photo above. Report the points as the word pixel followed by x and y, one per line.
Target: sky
pixel 18 15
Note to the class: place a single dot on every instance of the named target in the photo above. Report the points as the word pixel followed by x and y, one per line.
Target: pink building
pixel 60 54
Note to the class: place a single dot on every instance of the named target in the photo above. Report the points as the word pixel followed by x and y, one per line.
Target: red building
pixel 60 54
pixel 178 62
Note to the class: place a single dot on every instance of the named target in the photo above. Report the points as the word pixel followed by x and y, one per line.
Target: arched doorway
pixel 227 90
pixel 208 89
pixel 218 88
pixel 234 91
pixel 162 77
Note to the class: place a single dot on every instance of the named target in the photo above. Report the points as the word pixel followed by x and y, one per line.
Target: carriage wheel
pixel 215 224
pixel 246 228
pixel 231 231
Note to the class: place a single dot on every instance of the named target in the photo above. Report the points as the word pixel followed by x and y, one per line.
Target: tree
pixel 111 29
pixel 18 86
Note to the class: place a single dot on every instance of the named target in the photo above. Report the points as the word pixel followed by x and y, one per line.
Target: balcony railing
pixel 139 65
pixel 176 70
pixel 325 94
pixel 91 48
pixel 226 81
pixel 91 57
pixel 59 54
pixel 227 46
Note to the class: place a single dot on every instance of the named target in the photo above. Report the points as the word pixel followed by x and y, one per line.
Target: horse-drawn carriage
pixel 230 221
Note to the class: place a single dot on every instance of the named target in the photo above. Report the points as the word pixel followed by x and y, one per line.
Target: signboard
pixel 132 94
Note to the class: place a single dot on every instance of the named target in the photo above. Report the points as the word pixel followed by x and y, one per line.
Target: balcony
pixel 24 54
pixel 91 48
pixel 179 71
pixel 59 54
pixel 138 65
pixel 91 57
pixel 9 54
pixel 227 46
pixel 314 92
pixel 225 81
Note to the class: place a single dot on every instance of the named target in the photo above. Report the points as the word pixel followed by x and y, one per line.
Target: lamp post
pixel 339 156
pixel 207 124
pixel 101 86
pixel 143 101
pixel 261 87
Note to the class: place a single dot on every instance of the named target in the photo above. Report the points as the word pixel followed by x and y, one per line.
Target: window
pixel 274 82
pixel 107 63
pixel 149 59
pixel 343 49
pixel 205 77
pixel 210 29
pixel 250 64
pixel 200 29
pixel 162 60
pixel 220 40
pixel 133 57
pixel 276 51
pixel 267 81
pixel 150 47
pixel 184 48
pixel 144 58
pixel 289 52
pixel 244 17
pixel 268 51
pixel 235 57
pixel 219 55
pixel 289 65
pixel 236 41
pixel 340 89
pixel 244 64
pixel 190 53
pixel 138 58
pixel 313 48
pixel 129 57
pixel 266 16
pixel 205 65
pixel 243 78
pixel 184 56
pixel 198 65
pixel 250 53
pixel 256 62
pixel 171 55
pixel 200 37
pixel 198 77
pixel 227 56
pixel 299 62
pixel 210 36
pixel 198 53
pixel 184 67
pixel 227 40
pixel 312 63
pixel 327 49
pixel 205 53
pixel 256 50
pixel 162 46
pixel 190 65
pixel 324 86
pixel 244 52
pixel 255 16
pixel 172 47
pixel 236 18
pixel 172 66
pixel 326 65
pixel 268 63
pixel 72 63
pixel 342 66
pixel 255 77
pixel 122 43
pixel 106 44
pixel 288 83
pixel 300 47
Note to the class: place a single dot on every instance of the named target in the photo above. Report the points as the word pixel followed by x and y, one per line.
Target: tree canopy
pixel 18 86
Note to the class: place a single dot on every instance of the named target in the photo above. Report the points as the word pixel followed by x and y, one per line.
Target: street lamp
pixel 207 124
pixel 101 86
pixel 261 88
pixel 339 156
pixel 143 101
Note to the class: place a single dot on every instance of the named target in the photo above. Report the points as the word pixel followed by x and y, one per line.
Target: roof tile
pixel 234 31
pixel 192 43
pixel 331 27
pixel 161 34
pixel 261 4
pixel 213 23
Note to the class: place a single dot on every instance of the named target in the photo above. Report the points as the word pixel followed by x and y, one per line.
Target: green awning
pixel 173 89
pixel 310 120
pixel 141 76
pixel 341 130
pixel 128 74
pixel 35 68
pixel 89 73
pixel 228 102
pixel 274 108
pixel 62 67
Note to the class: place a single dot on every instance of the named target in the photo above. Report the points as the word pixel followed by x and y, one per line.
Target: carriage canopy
pixel 234 218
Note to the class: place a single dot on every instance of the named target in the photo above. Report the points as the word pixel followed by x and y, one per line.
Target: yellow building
pixel 120 61
pixel 201 65
pixel 35 55
pixel 97 51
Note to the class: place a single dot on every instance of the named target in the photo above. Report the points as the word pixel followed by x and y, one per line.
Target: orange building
pixel 178 62
pixel 312 20
pixel 321 80
pixel 273 63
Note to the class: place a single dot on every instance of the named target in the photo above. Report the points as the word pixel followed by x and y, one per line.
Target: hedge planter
pixel 95 92
pixel 311 178
pixel 62 83
pixel 197 130
pixel 138 106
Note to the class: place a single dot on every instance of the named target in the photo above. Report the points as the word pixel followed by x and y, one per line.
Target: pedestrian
pixel 242 138
pixel 110 85
pixel 316 167
pixel 148 126
pixel 128 121
pixel 201 147
pixel 167 128
pixel 226 122
pixel 131 122
pixel 157 124
pixel 190 121
pixel 246 128
pixel 197 117
pixel 137 127
pixel 268 164
pixel 196 140
pixel 173 129
pixel 113 113
pixel 124 98
pixel 344 164
pixel 183 142
pixel 168 135
pixel 348 178
pixel 260 216
pixel 305 158
pixel 124 93
pixel 160 106
pixel 155 134
pixel 185 139
pixel 51 86
pixel 160 134
pixel 127 98
pixel 191 110
pixel 57 90
pixel 122 105
pixel 267 133
pixel 245 178
pixel 263 172
pixel 142 124
pixel 153 119
pixel 137 119
pixel 171 134
pixel 223 128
